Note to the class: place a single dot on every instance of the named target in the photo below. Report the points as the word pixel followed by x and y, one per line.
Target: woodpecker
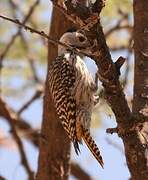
pixel 73 91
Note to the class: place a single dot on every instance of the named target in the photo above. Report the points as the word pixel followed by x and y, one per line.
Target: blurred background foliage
pixel 16 60
pixel 25 64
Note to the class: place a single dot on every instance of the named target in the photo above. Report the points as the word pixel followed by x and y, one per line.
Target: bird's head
pixel 75 39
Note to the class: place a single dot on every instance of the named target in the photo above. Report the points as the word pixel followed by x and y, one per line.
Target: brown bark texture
pixel 127 127
pixel 140 102
pixel 141 57
pixel 54 144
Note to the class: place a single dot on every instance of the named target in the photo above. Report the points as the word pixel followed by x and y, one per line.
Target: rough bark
pixel 108 75
pixel 53 160
pixel 141 56
pixel 139 168
pixel 54 145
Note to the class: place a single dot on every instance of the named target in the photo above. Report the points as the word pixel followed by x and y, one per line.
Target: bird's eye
pixel 82 39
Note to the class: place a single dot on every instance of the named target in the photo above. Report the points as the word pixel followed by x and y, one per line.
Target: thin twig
pixel 118 27
pixel 10 117
pixel 78 172
pixel 14 9
pixel 17 9
pixel 34 70
pixel 36 95
pixel 42 33
pixel 31 10
pixel 22 126
pixel 30 59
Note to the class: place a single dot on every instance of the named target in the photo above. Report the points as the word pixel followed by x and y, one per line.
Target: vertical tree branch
pixel 108 75
pixel 54 146
pixel 139 168
pixel 141 56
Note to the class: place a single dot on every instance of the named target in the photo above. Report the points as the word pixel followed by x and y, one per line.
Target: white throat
pixel 61 50
pixel 67 55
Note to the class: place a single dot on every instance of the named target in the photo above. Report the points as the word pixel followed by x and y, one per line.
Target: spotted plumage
pixel 73 92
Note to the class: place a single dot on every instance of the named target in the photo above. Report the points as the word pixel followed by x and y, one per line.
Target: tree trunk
pixel 54 144
pixel 139 168
pixel 141 56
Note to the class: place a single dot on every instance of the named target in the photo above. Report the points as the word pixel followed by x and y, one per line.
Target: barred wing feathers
pixel 61 81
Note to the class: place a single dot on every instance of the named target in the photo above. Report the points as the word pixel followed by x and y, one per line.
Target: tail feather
pixel 92 146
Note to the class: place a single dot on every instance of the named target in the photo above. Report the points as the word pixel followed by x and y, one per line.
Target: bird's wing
pixel 61 81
